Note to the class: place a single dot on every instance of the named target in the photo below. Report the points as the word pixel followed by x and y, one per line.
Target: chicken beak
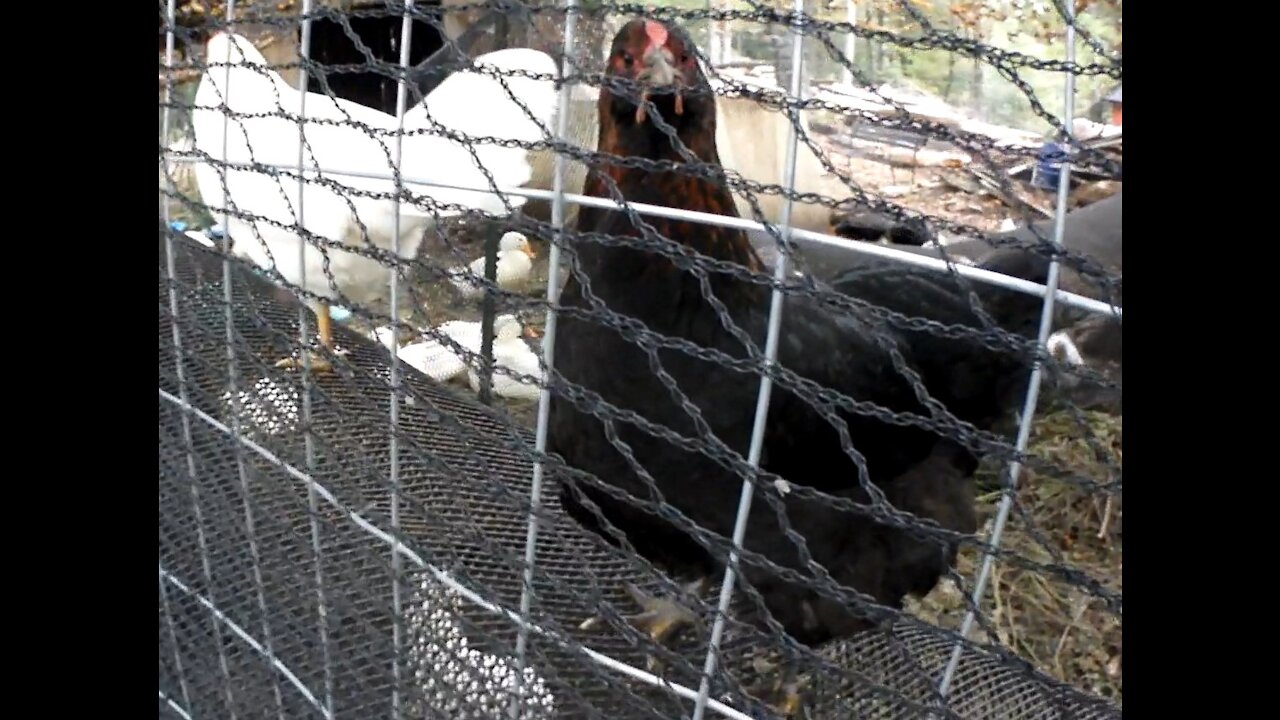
pixel 658 72
pixel 527 249
pixel 658 68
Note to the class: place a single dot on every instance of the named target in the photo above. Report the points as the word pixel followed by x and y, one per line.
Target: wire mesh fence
pixel 534 359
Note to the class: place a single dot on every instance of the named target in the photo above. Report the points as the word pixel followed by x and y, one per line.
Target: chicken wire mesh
pixel 329 551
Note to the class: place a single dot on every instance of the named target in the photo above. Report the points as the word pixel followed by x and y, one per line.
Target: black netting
pixel 325 553
pixel 464 484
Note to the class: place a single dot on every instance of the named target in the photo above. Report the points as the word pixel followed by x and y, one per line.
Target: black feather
pixel 917 470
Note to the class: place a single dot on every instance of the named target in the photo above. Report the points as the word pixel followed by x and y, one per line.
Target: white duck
pixel 512 354
pixel 387 335
pixel 515 262
pixel 440 361
pixel 345 136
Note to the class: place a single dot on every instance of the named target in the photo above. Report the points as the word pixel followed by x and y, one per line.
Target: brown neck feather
pixel 665 187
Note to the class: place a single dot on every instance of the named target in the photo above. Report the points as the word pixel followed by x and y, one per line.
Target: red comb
pixel 656 32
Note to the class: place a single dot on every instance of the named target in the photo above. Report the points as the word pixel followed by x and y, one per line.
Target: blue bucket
pixel 1047 172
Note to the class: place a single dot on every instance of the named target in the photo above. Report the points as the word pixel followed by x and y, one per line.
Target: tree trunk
pixel 881 70
pixel 951 77
pixel 975 79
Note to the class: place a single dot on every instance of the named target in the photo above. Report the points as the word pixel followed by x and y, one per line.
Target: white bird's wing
pixel 439 360
pixel 270 202
pixel 340 135
pixel 513 359
pixel 345 144
pixel 492 104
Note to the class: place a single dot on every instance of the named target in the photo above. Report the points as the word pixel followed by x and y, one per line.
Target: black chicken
pixel 1093 265
pixel 917 470
pixel 823 262
pixel 870 226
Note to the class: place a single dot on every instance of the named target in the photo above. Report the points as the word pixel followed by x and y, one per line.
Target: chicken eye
pixel 684 58
pixel 627 59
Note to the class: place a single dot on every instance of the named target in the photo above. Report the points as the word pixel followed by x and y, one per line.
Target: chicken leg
pixel 784 693
pixel 661 618
pixel 324 328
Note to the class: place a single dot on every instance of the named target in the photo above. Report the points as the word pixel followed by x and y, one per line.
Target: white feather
pixel 200 237
pixel 1060 345
pixel 464 103
pixel 437 359
pixel 386 335
pixel 512 354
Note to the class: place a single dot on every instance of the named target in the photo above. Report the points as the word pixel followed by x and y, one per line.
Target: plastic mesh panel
pixel 239 534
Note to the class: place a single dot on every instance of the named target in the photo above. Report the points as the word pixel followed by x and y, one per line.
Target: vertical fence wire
pixel 766 381
pixel 548 341
pixel 402 90
pixel 171 271
pixel 235 404
pixel 167 100
pixel 173 637
pixel 255 554
pixel 1037 372
pixel 309 440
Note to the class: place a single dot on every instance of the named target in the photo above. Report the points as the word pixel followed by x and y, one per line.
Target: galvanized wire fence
pixel 816 473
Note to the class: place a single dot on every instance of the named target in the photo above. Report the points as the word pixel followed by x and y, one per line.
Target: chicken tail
pixel 1017 311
